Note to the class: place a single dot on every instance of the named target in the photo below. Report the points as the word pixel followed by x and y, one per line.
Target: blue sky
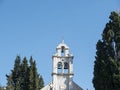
pixel 36 27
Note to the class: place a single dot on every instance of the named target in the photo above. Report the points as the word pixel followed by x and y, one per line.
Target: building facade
pixel 62 70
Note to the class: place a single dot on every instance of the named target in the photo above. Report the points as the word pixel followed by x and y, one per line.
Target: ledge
pixel 62 74
pixel 63 56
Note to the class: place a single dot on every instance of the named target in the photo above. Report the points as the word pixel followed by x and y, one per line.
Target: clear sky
pixel 36 27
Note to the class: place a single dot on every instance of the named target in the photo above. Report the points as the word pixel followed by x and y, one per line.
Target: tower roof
pixel 62 44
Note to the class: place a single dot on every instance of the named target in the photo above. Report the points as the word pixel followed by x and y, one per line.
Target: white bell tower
pixel 62 68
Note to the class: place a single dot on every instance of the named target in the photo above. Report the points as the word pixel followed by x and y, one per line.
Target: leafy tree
pixel 107 63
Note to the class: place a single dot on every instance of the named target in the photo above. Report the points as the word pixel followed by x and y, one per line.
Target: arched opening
pixel 59 67
pixel 51 88
pixel 66 67
pixel 62 51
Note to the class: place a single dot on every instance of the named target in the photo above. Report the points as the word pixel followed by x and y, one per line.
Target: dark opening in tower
pixel 62 51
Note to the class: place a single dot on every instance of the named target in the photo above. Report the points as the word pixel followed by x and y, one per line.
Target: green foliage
pixel 24 73
pixel 41 82
pixel 9 83
pixel 24 76
pixel 2 88
pixel 107 63
pixel 31 80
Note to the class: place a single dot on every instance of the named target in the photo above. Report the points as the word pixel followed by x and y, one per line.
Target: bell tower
pixel 62 70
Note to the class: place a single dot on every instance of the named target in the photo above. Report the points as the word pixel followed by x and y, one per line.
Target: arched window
pixel 59 65
pixel 66 66
pixel 62 51
pixel 51 88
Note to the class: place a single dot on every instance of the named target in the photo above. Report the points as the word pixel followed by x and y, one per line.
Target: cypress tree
pixel 41 82
pixel 9 83
pixel 2 88
pixel 35 75
pixel 31 77
pixel 24 76
pixel 107 63
pixel 16 74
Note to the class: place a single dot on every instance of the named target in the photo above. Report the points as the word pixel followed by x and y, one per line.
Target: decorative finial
pixel 63 41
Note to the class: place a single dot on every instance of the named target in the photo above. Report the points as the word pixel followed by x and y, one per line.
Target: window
pixel 59 65
pixel 62 51
pixel 66 66
pixel 51 88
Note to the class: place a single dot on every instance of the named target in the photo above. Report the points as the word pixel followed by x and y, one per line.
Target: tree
pixel 35 75
pixel 16 74
pixel 107 63
pixel 24 76
pixel 9 83
pixel 35 80
pixel 41 83
pixel 31 77
pixel 2 88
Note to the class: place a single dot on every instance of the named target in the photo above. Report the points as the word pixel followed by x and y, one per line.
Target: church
pixel 62 70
